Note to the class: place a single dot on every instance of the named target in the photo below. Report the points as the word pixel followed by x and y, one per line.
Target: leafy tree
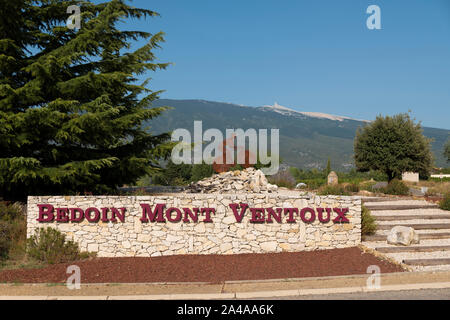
pixel 393 145
pixel 71 106
pixel 447 150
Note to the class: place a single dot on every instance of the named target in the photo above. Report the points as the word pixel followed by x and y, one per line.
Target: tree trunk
pixel 390 175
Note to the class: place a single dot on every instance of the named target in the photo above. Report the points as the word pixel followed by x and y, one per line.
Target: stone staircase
pixel 431 223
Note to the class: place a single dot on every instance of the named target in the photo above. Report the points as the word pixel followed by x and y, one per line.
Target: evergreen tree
pixel 393 145
pixel 177 173
pixel 328 169
pixel 71 107
pixel 447 150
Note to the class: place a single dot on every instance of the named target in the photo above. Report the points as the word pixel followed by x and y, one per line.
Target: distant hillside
pixel 307 140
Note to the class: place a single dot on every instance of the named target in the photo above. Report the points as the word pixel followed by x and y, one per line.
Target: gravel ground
pixel 209 268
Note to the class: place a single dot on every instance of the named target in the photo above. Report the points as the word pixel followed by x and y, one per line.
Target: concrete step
pixel 367 200
pixel 424 236
pixel 382 217
pixel 398 201
pixel 386 199
pixel 401 207
pixel 427 262
pixel 417 221
pixel 416 226
pixel 412 249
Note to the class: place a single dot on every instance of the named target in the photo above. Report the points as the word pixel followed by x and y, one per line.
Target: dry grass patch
pixel 434 187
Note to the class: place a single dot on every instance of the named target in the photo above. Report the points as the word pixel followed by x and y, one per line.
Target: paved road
pixel 428 294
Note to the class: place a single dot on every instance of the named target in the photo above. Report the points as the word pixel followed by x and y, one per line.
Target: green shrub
pixel 314 184
pixel 283 178
pixel 368 224
pixel 50 246
pixel 396 187
pixel 12 229
pixel 367 185
pixel 18 234
pixel 5 240
pixel 179 182
pixel 352 187
pixel 201 171
pixel 9 212
pixel 333 190
pixel 445 203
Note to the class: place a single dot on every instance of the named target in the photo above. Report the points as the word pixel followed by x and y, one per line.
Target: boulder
pixel 400 235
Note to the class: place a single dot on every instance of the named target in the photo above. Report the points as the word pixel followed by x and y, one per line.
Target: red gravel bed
pixel 208 268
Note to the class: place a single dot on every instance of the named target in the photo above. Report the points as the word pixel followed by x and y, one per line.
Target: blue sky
pixel 308 55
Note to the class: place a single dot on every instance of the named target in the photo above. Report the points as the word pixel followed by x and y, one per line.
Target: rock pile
pixel 248 180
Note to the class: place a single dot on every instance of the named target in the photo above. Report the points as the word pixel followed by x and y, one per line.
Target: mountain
pixel 291 112
pixel 307 139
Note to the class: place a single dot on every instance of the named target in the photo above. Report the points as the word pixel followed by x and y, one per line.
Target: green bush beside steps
pixel 368 224
pixel 445 203
pixel 50 246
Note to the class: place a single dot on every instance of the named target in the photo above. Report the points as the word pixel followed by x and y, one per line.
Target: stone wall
pixel 224 235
